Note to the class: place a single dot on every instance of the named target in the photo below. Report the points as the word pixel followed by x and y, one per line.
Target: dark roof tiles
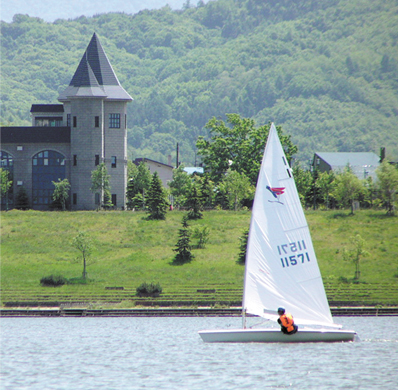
pixel 94 77
pixel 34 135
pixel 47 108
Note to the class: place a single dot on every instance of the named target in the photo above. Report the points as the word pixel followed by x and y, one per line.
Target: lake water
pixel 167 353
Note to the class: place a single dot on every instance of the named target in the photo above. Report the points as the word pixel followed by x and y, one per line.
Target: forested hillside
pixel 326 71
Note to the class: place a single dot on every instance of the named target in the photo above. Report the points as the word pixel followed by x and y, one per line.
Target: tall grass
pixel 131 250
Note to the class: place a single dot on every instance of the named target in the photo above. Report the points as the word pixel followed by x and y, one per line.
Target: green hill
pixel 325 71
pixel 131 250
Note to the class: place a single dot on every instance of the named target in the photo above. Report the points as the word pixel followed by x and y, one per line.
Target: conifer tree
pixel 194 204
pixel 244 238
pixel 183 247
pixel 22 199
pixel 157 203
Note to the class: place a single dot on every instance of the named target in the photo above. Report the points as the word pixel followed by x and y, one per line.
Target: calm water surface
pixel 167 353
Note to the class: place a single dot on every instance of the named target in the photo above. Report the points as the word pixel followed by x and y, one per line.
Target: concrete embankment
pixel 177 312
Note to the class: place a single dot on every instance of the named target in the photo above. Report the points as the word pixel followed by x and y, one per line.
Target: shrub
pixel 149 290
pixel 53 281
pixel 202 235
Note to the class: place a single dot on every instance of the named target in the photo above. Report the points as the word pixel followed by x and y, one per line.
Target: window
pixel 74 196
pixel 114 199
pixel 97 198
pixel 47 166
pixel 96 159
pixel 114 121
pixel 68 120
pixel 74 121
pixel 97 121
pixel 75 159
pixel 7 164
pixel 48 121
pixel 113 162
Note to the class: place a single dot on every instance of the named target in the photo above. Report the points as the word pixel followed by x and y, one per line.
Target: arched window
pixel 7 164
pixel 47 166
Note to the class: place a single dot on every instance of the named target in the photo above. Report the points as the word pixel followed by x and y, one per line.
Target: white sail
pixel 281 266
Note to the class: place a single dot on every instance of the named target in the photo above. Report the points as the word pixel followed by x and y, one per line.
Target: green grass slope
pixel 131 250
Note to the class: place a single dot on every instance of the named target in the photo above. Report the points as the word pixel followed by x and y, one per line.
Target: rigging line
pixel 262 322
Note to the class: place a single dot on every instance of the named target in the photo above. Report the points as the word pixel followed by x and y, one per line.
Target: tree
pixel 84 244
pixel 180 186
pixel 202 234
pixel 356 254
pixel 61 192
pixel 100 185
pixel 244 238
pixel 237 145
pixel 138 183
pixel 194 204
pixel 303 179
pixel 22 200
pixel 183 247
pixel 157 199
pixel 5 184
pixel 326 185
pixel 237 187
pixel 387 176
pixel 348 188
pixel 206 191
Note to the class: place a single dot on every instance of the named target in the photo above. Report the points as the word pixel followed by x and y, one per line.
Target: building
pixel 363 165
pixel 69 140
pixel 165 171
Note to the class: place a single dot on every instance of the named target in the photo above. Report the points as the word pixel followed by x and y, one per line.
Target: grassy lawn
pixel 131 250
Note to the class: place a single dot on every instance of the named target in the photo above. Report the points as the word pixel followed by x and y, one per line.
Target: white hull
pixel 276 336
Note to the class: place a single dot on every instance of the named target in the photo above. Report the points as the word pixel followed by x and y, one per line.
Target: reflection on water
pixel 167 353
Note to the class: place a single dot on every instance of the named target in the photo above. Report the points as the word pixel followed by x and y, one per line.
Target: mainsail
pixel 281 266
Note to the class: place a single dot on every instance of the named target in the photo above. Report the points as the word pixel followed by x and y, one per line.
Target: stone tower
pixel 95 109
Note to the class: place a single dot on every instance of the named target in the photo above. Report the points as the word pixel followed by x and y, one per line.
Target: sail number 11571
pixel 295 253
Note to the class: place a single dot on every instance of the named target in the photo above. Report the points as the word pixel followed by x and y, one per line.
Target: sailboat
pixel 281 267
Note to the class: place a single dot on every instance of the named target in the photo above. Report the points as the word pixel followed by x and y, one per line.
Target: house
pixel 194 170
pixel 69 140
pixel 363 165
pixel 165 171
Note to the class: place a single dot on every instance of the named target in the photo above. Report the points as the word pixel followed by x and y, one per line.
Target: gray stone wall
pixel 22 161
pixel 87 141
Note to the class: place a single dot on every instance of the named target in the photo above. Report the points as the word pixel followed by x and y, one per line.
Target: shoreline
pixel 179 312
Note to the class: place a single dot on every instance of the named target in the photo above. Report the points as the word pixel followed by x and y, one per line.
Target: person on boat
pixel 286 322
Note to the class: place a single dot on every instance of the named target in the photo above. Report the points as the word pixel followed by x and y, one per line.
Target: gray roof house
pixel 363 164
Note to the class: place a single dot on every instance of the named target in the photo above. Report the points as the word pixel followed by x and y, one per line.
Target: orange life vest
pixel 287 321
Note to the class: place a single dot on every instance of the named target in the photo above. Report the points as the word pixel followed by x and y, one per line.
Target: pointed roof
pixel 94 77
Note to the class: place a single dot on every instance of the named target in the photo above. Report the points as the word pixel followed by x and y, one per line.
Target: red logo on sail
pixel 276 192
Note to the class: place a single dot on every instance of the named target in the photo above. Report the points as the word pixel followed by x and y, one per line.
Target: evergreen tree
pixel 157 203
pixel 243 246
pixel 206 191
pixel 183 247
pixel 22 200
pixel 194 204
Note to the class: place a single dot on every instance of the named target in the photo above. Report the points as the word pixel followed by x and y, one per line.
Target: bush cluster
pixel 53 280
pixel 149 290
